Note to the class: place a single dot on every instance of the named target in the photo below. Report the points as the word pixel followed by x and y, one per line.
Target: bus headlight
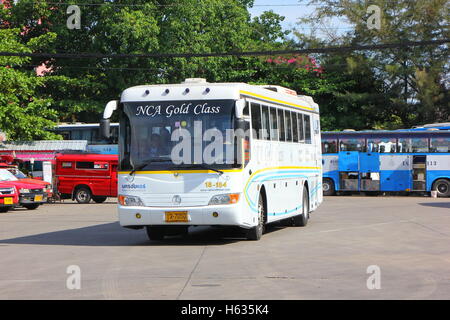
pixel 131 201
pixel 24 190
pixel 228 198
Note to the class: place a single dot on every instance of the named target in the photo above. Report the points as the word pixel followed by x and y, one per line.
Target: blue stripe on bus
pixel 273 176
pixel 278 174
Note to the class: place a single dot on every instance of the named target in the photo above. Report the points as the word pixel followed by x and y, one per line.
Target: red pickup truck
pixel 9 197
pixel 31 195
pixel 83 177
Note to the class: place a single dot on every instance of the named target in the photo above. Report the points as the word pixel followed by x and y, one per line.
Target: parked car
pixel 9 197
pixel 22 177
pixel 83 177
pixel 31 195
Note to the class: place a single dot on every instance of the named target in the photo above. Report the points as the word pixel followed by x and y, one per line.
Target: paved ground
pixel 408 238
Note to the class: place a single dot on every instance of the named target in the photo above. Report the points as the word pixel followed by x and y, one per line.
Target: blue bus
pixel 410 160
pixel 90 133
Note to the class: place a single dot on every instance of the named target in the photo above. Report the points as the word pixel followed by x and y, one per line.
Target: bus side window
pixel 256 120
pixel 273 124
pixel 301 130
pixel 265 122
pixel 288 126
pixel 294 127
pixel 440 145
pixel 307 128
pixel 281 124
pixel 246 111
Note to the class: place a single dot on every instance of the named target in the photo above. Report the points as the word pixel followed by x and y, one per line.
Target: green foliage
pixel 414 79
pixel 360 90
pixel 23 114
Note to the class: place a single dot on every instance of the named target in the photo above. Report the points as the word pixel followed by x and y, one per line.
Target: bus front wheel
pixel 31 206
pixel 442 186
pixel 256 232
pixel 155 232
pixel 328 187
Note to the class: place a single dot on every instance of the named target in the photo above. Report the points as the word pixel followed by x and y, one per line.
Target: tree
pixel 24 115
pixel 414 78
pixel 80 87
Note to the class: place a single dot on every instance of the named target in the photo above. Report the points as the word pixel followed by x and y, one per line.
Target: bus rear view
pixel 189 155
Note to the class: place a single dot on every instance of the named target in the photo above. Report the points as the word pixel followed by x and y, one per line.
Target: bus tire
pixel 256 232
pixel 442 186
pixel 4 209
pixel 328 187
pixel 31 206
pixel 83 195
pixel 99 199
pixel 155 232
pixel 302 219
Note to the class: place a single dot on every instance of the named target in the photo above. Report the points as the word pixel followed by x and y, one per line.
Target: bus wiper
pixel 147 162
pixel 191 166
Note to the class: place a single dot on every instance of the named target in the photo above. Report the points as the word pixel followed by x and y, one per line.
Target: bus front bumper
pixel 226 215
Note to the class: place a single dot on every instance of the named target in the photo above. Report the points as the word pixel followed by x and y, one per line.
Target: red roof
pixel 87 157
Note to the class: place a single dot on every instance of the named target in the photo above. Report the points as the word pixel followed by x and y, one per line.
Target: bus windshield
pixel 152 139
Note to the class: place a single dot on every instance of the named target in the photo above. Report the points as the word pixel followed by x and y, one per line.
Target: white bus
pixel 180 167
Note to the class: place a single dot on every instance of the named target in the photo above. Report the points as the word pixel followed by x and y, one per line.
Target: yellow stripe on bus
pixel 180 171
pixel 274 100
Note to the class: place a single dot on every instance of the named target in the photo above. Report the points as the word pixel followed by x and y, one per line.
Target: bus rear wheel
pixel 302 219
pixel 155 232
pixel 328 187
pixel 256 232
pixel 442 186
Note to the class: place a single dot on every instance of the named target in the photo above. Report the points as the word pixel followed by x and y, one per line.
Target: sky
pixel 292 10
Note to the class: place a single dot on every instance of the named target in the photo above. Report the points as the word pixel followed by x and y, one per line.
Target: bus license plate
pixel 37 198
pixel 176 216
pixel 8 201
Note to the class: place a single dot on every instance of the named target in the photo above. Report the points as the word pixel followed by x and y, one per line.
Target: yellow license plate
pixel 8 200
pixel 176 216
pixel 37 198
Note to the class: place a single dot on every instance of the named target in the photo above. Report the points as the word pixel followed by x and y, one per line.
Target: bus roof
pixel 384 133
pixel 201 90
pixel 81 125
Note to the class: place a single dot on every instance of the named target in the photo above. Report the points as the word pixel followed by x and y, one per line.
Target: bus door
pixel 395 172
pixel 369 167
pixel 419 172
pixel 349 170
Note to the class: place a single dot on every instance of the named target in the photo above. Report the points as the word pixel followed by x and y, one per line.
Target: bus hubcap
pixel 442 188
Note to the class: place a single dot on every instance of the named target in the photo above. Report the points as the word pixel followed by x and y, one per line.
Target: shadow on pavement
pixel 112 234
pixel 436 204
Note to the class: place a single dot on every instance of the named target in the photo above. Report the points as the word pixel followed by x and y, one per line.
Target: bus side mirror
pixel 110 108
pixel 105 131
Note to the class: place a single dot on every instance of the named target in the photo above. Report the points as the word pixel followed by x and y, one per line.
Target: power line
pixel 163 5
pixel 403 44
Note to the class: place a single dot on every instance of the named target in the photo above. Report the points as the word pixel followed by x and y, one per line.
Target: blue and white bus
pixel 90 133
pixel 387 161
